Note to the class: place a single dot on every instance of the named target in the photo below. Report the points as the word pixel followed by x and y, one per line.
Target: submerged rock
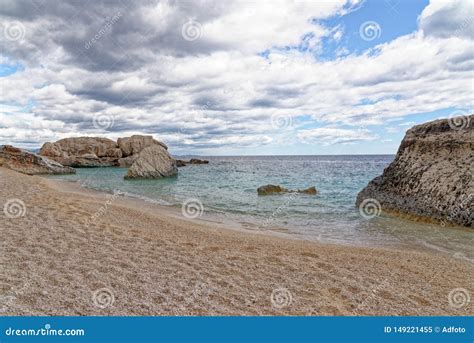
pixel 29 163
pixel 153 162
pixel 275 189
pixel 310 190
pixel 198 161
pixel 183 163
pixel 431 176
pixel 271 189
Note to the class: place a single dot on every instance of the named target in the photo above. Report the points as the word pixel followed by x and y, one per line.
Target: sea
pixel 225 190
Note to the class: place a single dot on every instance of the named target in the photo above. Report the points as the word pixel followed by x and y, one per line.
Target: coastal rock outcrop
pixel 275 189
pixel 183 163
pixel 431 176
pixel 153 162
pixel 83 152
pixel 135 144
pixel 29 163
pixel 97 151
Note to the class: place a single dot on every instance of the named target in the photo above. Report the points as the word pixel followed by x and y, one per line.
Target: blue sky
pixel 339 77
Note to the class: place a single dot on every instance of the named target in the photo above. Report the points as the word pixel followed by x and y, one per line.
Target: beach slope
pixel 72 252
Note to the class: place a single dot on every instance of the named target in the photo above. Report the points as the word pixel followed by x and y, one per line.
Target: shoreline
pixel 173 211
pixel 210 218
pixel 157 263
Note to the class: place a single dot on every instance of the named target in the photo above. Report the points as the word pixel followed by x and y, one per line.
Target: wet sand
pixel 69 251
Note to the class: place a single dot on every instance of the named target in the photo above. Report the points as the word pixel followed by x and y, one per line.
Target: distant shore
pixel 69 251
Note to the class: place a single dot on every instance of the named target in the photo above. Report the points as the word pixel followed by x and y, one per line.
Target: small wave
pixel 147 199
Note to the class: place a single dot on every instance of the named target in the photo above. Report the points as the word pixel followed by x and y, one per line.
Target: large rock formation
pixel 98 152
pixel 133 145
pixel 153 162
pixel 432 174
pixel 83 152
pixel 28 163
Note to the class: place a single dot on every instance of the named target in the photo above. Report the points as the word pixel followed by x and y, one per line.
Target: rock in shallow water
pixel 183 163
pixel 432 174
pixel 275 189
pixel 29 163
pixel 153 162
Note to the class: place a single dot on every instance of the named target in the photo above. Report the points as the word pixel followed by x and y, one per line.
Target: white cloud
pixel 217 91
pixel 335 136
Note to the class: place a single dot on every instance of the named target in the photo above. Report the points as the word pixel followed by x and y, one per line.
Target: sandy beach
pixel 69 251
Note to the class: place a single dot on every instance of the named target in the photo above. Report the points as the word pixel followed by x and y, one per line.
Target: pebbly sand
pixel 136 258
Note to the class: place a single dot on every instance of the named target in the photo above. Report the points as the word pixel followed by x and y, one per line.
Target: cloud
pixel 334 136
pixel 448 18
pixel 130 61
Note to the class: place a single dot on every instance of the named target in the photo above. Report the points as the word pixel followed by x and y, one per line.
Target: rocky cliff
pixel 28 163
pixel 431 176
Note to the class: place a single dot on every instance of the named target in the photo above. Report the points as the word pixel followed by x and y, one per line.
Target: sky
pixel 234 77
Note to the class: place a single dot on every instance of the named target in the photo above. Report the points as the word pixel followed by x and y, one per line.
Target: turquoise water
pixel 226 188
